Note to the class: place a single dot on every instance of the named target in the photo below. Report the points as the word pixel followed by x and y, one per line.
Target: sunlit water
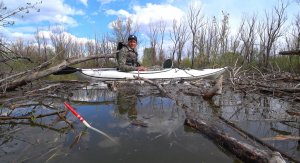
pixel 165 139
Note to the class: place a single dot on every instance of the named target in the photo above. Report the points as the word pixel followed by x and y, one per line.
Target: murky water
pixel 147 128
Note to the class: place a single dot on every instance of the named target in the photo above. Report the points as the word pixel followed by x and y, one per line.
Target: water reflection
pixel 126 101
pixel 146 126
pixel 265 117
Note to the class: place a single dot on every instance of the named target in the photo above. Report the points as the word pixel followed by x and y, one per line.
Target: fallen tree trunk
pixel 40 74
pixel 245 152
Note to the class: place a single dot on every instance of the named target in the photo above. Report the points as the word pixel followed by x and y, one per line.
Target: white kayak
pixel 110 74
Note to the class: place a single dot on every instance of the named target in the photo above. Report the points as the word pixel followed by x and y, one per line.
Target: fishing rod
pixel 68 106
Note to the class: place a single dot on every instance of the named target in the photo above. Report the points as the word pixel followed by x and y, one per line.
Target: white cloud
pixel 13 36
pixel 156 12
pixel 103 2
pixel 84 2
pixel 150 13
pixel 119 13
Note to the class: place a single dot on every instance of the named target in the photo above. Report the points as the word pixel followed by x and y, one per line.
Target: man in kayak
pixel 127 56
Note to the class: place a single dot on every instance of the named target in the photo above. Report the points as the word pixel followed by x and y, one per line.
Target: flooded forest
pixel 250 113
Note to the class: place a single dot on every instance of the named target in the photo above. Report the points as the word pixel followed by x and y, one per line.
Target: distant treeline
pixel 195 41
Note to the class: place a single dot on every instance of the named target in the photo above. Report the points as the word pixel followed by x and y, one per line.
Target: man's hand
pixel 141 68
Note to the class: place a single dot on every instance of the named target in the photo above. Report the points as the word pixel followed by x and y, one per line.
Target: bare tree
pixel 183 37
pixel 178 35
pixel 38 40
pixel 45 47
pixel 293 38
pixel 153 36
pixel 296 32
pixel 200 40
pixel 61 42
pixel 223 33
pixel 213 39
pixel 271 29
pixel 195 21
pixel 248 37
pixel 174 36
pixel 122 28
pixel 18 47
pixel 90 47
pixel 162 27
pixel 235 42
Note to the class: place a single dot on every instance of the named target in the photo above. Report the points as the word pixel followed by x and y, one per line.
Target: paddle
pixel 67 70
pixel 68 106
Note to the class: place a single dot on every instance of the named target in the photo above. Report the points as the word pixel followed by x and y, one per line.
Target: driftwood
pixel 217 89
pixel 257 139
pixel 29 77
pixel 242 150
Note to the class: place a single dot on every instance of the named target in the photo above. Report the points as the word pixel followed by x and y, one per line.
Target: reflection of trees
pixel 30 140
pixel 34 124
pixel 92 95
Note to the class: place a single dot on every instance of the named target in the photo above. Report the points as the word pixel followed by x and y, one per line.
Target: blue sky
pixel 85 18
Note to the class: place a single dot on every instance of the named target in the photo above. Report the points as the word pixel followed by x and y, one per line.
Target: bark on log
pixel 258 140
pixel 216 89
pixel 243 151
pixel 40 74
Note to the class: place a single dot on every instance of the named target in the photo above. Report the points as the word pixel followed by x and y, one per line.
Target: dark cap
pixel 132 37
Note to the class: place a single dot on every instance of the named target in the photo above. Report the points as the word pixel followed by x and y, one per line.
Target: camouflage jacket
pixel 127 59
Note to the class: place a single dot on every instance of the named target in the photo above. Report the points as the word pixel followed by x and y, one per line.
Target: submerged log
pixel 244 151
pixel 239 130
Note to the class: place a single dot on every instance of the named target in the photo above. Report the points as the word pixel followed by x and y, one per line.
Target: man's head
pixel 132 41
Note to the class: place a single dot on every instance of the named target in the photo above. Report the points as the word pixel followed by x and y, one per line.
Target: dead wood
pixel 216 89
pixel 293 113
pixel 43 65
pixel 77 139
pixel 244 151
pixel 29 77
pixel 257 139
pixel 282 137
pixel 30 117
pixel 137 122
